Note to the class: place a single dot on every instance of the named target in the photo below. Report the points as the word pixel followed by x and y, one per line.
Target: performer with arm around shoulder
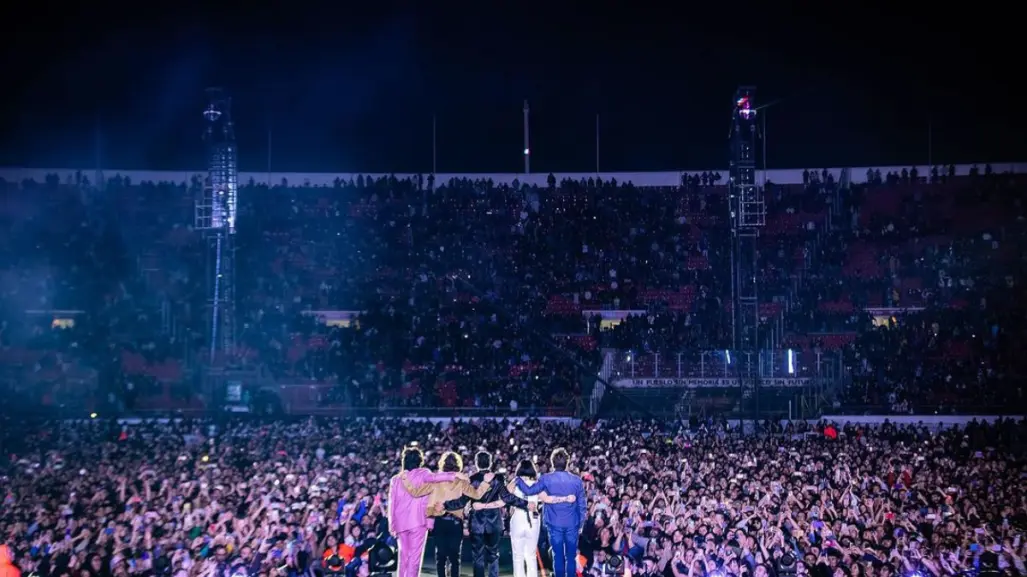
pixel 448 525
pixel 564 521
pixel 407 508
pixel 486 524
pixel 525 526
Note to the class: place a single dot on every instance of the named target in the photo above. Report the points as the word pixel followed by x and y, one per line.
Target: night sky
pixel 355 88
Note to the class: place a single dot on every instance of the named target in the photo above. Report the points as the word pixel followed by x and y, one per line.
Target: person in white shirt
pixel 525 527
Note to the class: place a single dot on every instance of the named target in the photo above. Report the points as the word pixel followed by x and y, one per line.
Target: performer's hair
pixel 527 469
pixel 450 462
pixel 559 459
pixel 412 458
pixel 483 460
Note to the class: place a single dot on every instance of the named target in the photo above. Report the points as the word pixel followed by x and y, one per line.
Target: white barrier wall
pixel 944 421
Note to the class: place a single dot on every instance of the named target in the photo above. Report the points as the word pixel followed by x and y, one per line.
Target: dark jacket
pixel 491 520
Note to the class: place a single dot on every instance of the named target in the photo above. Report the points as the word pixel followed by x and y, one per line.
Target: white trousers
pixel 524 542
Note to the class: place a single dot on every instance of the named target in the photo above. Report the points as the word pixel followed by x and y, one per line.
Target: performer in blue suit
pixel 563 521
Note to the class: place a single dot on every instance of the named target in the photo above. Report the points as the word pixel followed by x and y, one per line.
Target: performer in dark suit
pixel 486 525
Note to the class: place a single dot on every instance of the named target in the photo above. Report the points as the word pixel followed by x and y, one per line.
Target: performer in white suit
pixel 525 527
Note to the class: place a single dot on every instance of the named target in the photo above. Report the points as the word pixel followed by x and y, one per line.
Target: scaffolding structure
pixel 748 214
pixel 215 215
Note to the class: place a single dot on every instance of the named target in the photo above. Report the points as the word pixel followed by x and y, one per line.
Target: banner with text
pixel 710 383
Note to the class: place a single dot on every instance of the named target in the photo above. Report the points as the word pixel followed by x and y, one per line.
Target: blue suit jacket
pixel 560 484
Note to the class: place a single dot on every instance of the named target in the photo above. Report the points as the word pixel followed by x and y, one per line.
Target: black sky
pixel 348 87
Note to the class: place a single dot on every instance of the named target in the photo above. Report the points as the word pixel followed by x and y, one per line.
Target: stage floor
pixel 466 568
pixel 467 571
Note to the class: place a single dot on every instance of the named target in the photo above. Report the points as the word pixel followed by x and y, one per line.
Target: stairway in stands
pixel 599 389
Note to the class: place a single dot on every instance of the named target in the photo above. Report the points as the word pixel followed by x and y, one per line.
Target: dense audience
pixel 472 294
pixel 268 499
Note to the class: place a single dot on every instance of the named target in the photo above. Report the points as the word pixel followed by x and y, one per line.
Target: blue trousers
pixel 564 541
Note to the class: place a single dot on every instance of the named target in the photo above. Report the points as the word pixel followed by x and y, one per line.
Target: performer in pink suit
pixel 408 519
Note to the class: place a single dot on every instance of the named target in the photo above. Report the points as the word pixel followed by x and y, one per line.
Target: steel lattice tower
pixel 215 216
pixel 748 214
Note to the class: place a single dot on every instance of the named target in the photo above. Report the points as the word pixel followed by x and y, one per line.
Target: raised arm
pixel 486 506
pixel 416 490
pixel 510 499
pixel 442 477
pixel 532 490
pixel 515 501
pixel 457 504
pixel 468 490
pixel 463 500
pixel 544 498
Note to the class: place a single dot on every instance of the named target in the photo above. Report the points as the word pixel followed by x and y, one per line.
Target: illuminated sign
pixel 336 318
pixel 709 383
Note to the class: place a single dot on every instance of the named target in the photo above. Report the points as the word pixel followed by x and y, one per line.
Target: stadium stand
pixel 396 292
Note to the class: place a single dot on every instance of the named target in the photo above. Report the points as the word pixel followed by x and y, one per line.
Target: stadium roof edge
pixel 661 178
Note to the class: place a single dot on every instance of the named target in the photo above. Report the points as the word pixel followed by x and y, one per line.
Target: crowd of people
pixel 287 499
pixel 473 294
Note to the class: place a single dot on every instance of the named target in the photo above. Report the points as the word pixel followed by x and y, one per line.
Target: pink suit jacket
pixel 406 511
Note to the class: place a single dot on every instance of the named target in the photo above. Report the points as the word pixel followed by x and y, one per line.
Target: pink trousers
pixel 411 551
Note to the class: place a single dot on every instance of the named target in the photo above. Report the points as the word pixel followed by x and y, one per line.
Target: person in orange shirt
pixel 336 558
pixel 7 568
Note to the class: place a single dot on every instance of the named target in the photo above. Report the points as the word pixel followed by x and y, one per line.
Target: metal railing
pixel 324 399
pixel 380 412
pixel 1012 410
pixel 767 364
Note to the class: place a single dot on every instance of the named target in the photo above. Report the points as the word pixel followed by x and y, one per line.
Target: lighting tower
pixel 748 214
pixel 216 217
